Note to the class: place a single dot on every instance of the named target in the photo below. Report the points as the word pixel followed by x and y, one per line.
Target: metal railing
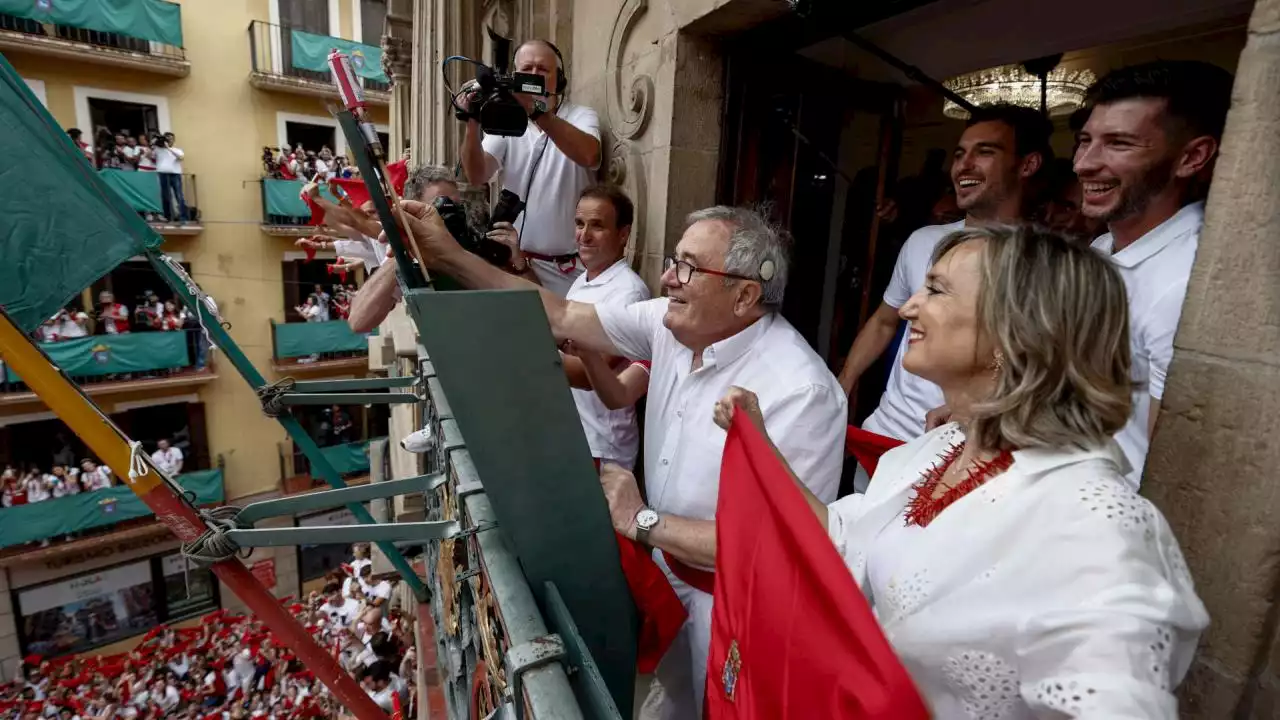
pixel 492 611
pixel 320 355
pixel 173 210
pixel 195 362
pixel 271 53
pixel 114 41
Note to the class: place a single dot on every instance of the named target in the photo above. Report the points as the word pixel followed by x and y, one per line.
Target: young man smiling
pixel 1003 147
pixel 1144 158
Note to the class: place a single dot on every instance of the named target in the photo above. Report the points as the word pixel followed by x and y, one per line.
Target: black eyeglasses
pixel 686 269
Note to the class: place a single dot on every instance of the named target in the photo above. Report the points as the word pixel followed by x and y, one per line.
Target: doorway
pixel 120 116
pixel 310 137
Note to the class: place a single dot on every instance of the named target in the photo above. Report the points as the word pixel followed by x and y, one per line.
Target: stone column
pixel 1214 462
pixel 397 63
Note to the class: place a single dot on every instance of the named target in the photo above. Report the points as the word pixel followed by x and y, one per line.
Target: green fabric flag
pixel 349 458
pixel 147 19
pixel 141 190
pixel 311 52
pixel 115 354
pixel 310 338
pixel 284 197
pixel 76 513
pixel 61 226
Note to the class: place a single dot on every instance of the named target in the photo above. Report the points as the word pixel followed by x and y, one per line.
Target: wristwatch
pixel 539 109
pixel 646 520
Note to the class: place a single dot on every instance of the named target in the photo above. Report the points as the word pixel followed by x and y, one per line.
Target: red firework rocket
pixel 344 77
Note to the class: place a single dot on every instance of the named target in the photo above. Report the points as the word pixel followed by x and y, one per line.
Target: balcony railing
pixel 303 343
pixel 131 356
pixel 146 40
pixel 283 211
pixel 157 201
pixel 293 60
pixel 63 516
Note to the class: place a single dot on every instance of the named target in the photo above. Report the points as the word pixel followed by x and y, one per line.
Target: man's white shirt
pixel 1156 268
pixel 612 435
pixel 551 192
pixel 169 461
pixel 908 398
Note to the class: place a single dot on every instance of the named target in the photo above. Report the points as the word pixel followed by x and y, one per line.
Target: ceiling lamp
pixel 1060 90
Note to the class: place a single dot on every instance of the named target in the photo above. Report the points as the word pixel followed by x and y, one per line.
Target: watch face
pixel 540 105
pixel 646 518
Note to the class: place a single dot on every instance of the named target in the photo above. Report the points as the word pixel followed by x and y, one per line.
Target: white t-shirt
pixel 168 160
pixel 803 405
pixel 1155 268
pixel 98 479
pixel 169 461
pixel 612 435
pixel 546 226
pixel 69 328
pixel 907 398
pixel 345 613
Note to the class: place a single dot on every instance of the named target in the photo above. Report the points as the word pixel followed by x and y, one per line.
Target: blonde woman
pixel 1011 567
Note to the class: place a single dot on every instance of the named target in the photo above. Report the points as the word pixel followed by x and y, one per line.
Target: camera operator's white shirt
pixel 551 194
pixel 612 435
pixel 168 160
pixel 908 398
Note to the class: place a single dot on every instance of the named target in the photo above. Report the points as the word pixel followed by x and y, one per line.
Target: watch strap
pixel 537 113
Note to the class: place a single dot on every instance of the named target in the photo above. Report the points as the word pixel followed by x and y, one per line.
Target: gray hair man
pixel 718 326
pixel 380 292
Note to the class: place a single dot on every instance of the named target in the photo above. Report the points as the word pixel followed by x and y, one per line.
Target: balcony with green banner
pixel 138 356
pixel 319 345
pixel 138 34
pixel 283 210
pixel 142 192
pixel 296 60
pixel 86 511
pixel 351 460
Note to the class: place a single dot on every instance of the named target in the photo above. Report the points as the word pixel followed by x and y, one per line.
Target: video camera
pixel 507 209
pixel 493 102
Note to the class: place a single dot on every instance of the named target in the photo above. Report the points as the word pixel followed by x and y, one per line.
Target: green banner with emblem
pixel 311 52
pixel 52 519
pixel 116 354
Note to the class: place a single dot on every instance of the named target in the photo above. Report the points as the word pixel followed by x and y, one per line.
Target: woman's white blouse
pixel 1051 591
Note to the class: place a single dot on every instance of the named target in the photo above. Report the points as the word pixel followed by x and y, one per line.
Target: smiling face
pixel 986 170
pixel 706 309
pixel 1125 159
pixel 600 242
pixel 945 344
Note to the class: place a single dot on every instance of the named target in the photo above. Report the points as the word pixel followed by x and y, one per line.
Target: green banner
pixel 63 227
pixel 147 19
pixel 284 197
pixel 311 52
pixel 141 190
pixel 117 354
pixel 77 513
pixel 311 338
pixel 349 458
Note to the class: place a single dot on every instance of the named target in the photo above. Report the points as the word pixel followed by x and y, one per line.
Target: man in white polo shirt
pixel 1144 159
pixel 548 166
pixel 603 221
pixel 1003 147
pixel 718 326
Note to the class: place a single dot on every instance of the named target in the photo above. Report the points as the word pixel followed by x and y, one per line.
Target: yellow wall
pixel 222 123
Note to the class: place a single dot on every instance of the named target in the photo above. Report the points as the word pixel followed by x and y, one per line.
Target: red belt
pixel 703 580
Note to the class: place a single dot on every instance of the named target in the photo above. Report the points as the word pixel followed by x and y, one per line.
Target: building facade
pixel 229 80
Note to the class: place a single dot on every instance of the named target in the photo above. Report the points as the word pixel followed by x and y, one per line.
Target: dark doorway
pixel 311 16
pixel 130 282
pixel 118 116
pixel 311 137
pixel 300 280
pixel 373 15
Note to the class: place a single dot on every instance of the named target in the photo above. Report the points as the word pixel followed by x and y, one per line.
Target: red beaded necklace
pixel 924 507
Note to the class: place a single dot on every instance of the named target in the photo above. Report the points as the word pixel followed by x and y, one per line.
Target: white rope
pixel 200 295
pixel 137 462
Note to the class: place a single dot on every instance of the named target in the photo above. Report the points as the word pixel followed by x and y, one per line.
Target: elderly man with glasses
pixel 718 326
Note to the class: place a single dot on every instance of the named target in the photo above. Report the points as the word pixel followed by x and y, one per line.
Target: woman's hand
pixel 740 398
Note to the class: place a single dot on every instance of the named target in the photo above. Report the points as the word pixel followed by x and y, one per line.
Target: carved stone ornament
pixel 622 169
pixel 397 58
pixel 629 113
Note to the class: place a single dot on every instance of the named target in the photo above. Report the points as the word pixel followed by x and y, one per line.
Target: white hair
pixel 754 243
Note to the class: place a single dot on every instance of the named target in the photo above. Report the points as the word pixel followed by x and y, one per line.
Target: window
pixel 188 590
pixel 88 611
pixel 118 116
pixel 311 137
pixel 373 15
pixel 316 561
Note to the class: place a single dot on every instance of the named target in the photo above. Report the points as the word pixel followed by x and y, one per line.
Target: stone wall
pixel 1213 462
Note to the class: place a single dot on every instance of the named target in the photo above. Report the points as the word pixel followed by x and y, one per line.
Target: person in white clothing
pixel 340 609
pixel 1002 149
pixel 603 221
pixel 718 326
pixel 1144 159
pixel 168 158
pixel 94 476
pixel 1010 566
pixel 168 458
pixel 548 166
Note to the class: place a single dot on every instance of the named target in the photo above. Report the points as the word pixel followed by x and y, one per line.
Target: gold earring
pixel 997 364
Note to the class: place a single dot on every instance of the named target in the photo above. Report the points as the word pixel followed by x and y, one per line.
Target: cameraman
pixel 548 166
pixel 169 165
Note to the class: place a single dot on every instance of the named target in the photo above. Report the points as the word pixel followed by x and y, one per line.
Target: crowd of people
pixel 323 305
pixel 227 666
pixel 281 163
pixel 154 152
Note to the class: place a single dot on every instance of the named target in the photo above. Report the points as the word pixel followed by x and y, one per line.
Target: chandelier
pixel 1064 89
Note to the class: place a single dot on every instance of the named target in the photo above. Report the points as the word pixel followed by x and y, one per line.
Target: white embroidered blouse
pixel 1051 591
